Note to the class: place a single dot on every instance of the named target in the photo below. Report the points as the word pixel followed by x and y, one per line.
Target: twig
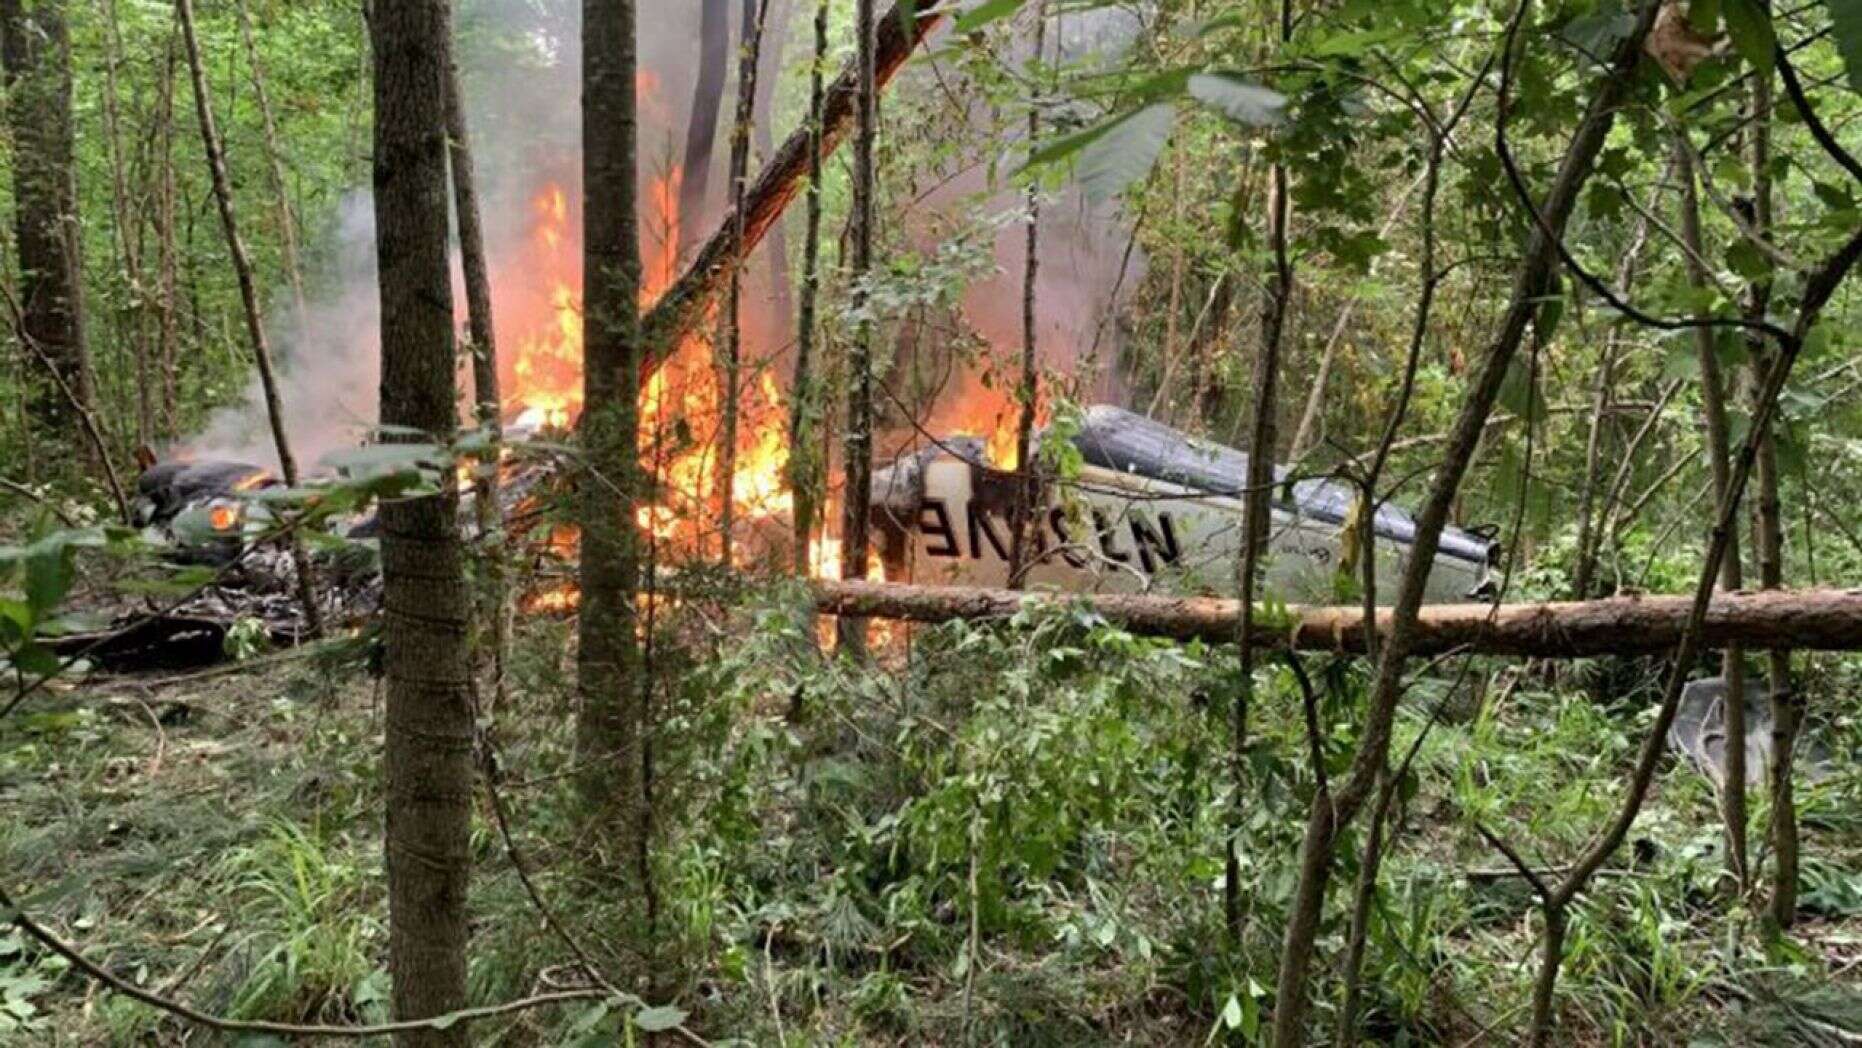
pixel 136 991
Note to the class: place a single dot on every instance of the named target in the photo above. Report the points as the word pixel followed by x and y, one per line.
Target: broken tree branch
pixel 898 32
pixel 1773 620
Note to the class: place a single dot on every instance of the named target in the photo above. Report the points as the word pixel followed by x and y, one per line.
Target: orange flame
pixel 223 517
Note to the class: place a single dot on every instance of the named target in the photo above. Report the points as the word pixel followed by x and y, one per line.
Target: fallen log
pixel 1778 620
pixel 678 310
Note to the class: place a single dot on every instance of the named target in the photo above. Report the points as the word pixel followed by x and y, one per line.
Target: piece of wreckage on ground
pixel 219 522
pixel 1150 509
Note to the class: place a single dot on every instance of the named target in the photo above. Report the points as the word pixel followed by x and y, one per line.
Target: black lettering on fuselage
pixel 1154 548
pixel 934 523
pixel 1108 539
pixel 982 526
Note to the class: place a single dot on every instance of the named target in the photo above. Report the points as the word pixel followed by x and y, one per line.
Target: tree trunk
pixel 1768 540
pixel 1027 389
pixel 494 601
pixel 806 452
pixel 36 47
pixel 249 298
pixel 775 41
pixel 755 13
pixel 1713 389
pixel 1536 271
pixel 1777 620
pixel 127 220
pixel 1257 516
pixel 701 130
pixel 425 602
pixel 166 250
pixel 856 493
pixel 611 734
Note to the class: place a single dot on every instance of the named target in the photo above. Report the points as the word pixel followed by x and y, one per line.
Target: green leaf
pixel 1238 98
pixel 984 13
pixel 16 619
pixel 1846 26
pixel 659 1018
pixel 1126 152
pixel 35 660
pixel 1750 27
pixel 1353 44
pixel 48 577
pixel 1704 16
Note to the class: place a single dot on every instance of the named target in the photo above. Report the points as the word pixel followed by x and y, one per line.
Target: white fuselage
pixel 1118 532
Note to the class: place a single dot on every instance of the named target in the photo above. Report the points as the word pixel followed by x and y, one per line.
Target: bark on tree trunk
pixel 1787 706
pixel 128 220
pixel 169 324
pixel 494 602
pixel 701 131
pixel 1027 389
pixel 742 118
pixel 1713 390
pixel 611 732
pixel 36 48
pixel 1258 515
pixel 858 448
pixel 425 602
pixel 806 452
pixel 1774 620
pixel 249 298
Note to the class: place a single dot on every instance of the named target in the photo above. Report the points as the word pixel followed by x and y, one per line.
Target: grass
pixel 223 835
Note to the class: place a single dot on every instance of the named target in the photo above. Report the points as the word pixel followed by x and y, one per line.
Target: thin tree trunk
pixel 249 298
pixel 1535 274
pixel 1307 433
pixel 169 323
pixel 1257 517
pixel 1027 389
pixel 1210 393
pixel 750 51
pixel 1713 389
pixel 494 601
pixel 126 219
pixel 36 48
pixel 1589 534
pixel 612 731
pixel 858 447
pixel 1431 277
pixel 425 601
pixel 806 453
pixel 775 41
pixel 274 156
pixel 701 132
pixel 1768 541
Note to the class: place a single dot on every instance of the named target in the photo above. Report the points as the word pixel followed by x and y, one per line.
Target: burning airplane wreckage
pixel 1150 509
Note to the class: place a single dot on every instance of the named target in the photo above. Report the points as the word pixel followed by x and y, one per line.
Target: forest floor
pixel 218 836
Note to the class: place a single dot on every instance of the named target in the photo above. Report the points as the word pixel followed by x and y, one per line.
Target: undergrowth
pixel 998 835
